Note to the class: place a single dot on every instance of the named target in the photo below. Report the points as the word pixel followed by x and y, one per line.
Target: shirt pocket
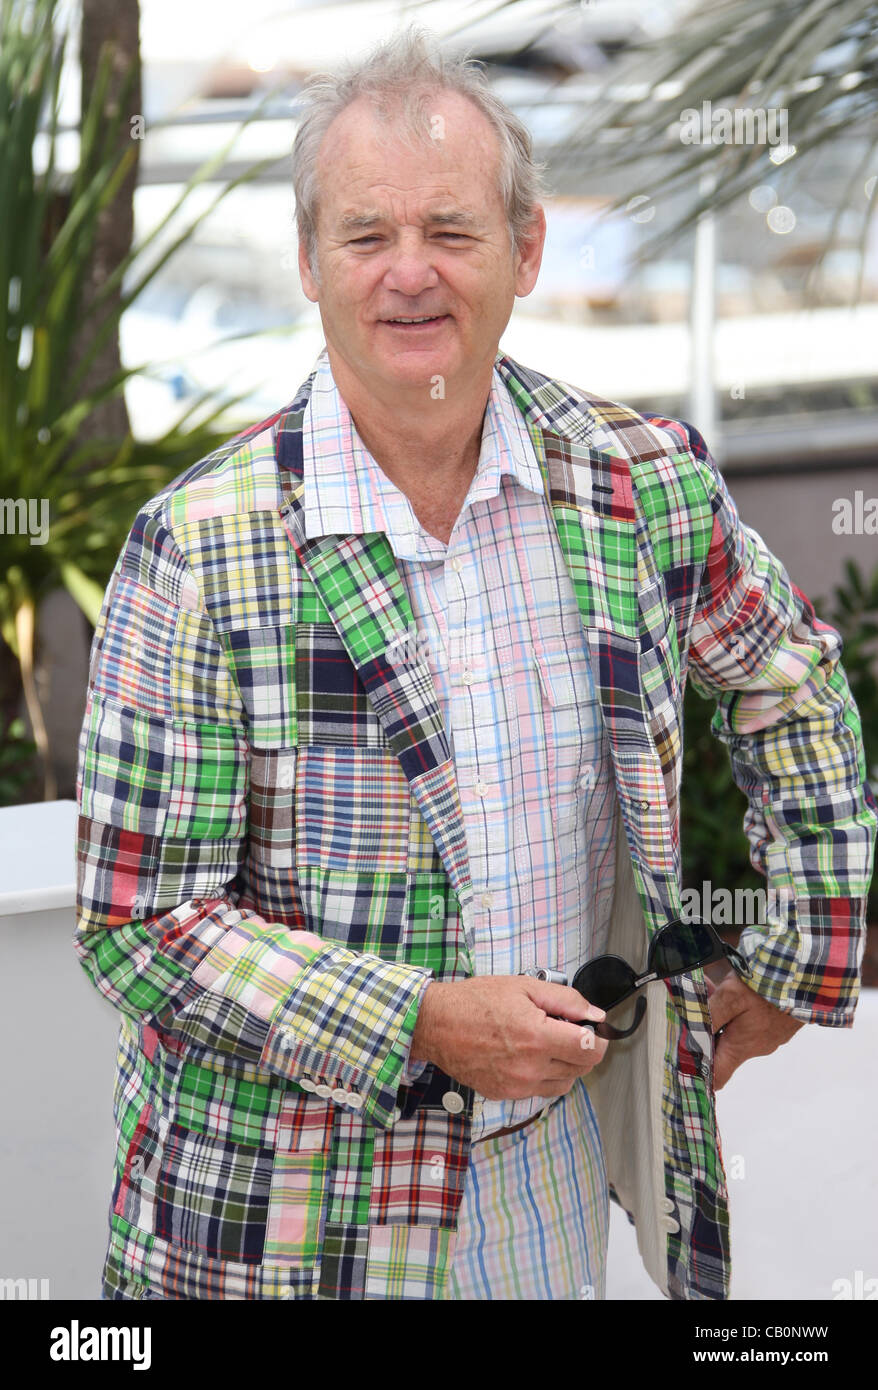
pixel 571 727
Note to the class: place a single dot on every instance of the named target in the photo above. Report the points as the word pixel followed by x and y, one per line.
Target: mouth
pixel 415 325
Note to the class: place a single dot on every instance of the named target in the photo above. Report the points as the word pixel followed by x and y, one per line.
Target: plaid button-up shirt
pixel 497 623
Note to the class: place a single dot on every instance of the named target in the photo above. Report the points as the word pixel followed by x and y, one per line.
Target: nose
pixel 410 270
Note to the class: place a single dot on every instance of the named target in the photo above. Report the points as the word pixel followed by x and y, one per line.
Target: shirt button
pixel 478 1107
pixel 453 1102
pixel 480 788
pixel 341 1095
pixel 467 676
pixel 456 563
pixel 395 1114
pixel 307 1084
pixel 585 780
pixel 288 1041
pixel 486 899
pixel 323 1091
pixel 285 1291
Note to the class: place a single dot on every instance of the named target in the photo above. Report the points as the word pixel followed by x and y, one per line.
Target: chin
pixel 417 368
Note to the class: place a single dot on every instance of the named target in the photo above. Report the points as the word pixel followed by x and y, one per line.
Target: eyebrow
pixel 448 217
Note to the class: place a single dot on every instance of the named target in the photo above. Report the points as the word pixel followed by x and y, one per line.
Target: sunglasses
pixel 608 981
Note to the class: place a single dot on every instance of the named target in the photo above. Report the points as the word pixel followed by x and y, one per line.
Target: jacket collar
pixel 355 496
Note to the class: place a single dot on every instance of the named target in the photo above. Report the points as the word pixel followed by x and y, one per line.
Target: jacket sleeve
pixel 162 793
pixel 786 715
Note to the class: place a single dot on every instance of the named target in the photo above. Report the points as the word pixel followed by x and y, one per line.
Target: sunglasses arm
pixel 734 955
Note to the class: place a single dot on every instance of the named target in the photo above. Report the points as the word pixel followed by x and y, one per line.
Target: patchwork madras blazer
pixel 272 863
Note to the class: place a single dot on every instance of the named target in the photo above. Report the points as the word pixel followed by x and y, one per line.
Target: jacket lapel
pixel 588 485
pixel 358 581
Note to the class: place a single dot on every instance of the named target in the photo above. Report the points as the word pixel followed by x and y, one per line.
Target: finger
pixel 589 1048
pixel 561 1001
pixel 560 1079
pixel 725 1005
pixel 567 1041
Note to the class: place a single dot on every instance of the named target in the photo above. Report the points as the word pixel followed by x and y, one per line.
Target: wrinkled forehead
pixel 439 137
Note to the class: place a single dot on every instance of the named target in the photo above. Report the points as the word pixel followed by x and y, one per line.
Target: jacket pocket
pixel 299 1187
pixel 272 825
pixel 135 1195
pixel 212 1195
pixel 660 666
pixel 660 681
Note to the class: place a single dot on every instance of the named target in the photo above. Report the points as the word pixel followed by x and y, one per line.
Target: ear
pixel 529 258
pixel 309 284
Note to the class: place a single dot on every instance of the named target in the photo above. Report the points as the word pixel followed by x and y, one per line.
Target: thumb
pixel 725 1003
pixel 562 1001
pixel 727 1058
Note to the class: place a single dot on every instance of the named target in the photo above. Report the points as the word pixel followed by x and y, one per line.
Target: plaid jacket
pixel 272 861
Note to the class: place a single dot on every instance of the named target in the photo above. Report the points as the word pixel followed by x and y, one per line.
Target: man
pixel 316 857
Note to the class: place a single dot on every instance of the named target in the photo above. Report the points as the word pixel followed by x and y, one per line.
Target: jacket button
pixel 341 1095
pixel 307 1084
pixel 670 1224
pixel 453 1102
pixel 666 1204
pixel 323 1091
pixel 355 1100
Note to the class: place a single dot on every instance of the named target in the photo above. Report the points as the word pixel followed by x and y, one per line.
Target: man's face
pixel 409 233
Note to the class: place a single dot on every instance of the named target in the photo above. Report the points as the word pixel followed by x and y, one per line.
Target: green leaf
pixel 83 591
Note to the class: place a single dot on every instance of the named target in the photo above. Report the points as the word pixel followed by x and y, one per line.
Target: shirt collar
pixel 346 492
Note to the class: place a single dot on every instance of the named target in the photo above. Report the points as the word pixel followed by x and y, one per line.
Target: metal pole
pixel 703 413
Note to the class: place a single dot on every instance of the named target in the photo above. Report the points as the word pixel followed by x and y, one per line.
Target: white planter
pixel 56 1080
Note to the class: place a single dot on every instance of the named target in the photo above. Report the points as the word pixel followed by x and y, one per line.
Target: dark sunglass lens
pixel 682 946
pixel 604 981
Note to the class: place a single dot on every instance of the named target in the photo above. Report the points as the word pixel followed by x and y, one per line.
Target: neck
pixel 425 438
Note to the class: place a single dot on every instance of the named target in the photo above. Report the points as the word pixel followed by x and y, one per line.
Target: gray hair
pixel 398 77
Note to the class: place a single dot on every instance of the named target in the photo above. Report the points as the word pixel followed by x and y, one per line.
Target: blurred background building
pixel 796 381
pixel 777 368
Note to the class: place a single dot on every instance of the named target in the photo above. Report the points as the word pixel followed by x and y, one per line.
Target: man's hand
pixel 752 1027
pixel 507 1036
